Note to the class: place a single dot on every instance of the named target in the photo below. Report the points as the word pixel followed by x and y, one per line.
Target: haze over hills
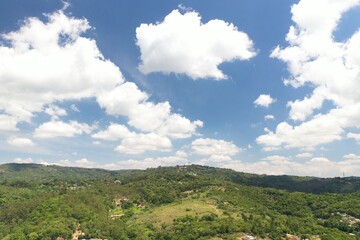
pixel 182 202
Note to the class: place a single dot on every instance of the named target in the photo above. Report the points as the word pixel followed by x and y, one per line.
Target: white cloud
pixel 183 44
pixel 219 158
pixel 208 146
pixel 85 163
pixel 75 68
pixel 8 123
pixel 177 126
pixel 82 163
pixel 65 163
pixel 132 142
pixel 23 160
pixel 264 100
pixel 113 132
pixel 55 129
pixel 304 155
pixel 122 99
pixel 355 136
pixel 74 108
pixel 323 128
pixel 55 112
pixel 181 154
pixel 276 158
pixel 301 109
pixel 269 117
pixel 319 160
pixel 20 142
pixel 352 156
pixel 128 100
pixel 140 143
pixel 331 68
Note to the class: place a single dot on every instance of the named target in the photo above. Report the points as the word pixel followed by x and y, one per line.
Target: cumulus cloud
pixel 181 43
pixel 214 147
pixel 113 132
pixel 276 158
pixel 269 117
pixel 74 108
pixel 181 154
pixel 219 158
pixel 132 142
pixel 85 163
pixel 55 111
pixel 75 68
pixel 128 100
pixel 55 129
pixel 20 142
pixel 140 143
pixel 8 123
pixel 304 155
pixel 264 100
pixel 314 58
pixel 355 136
pixel 352 156
pixel 322 129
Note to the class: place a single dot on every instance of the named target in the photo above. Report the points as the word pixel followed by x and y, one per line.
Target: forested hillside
pixel 183 202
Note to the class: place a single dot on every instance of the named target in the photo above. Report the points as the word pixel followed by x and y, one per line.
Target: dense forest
pixel 182 202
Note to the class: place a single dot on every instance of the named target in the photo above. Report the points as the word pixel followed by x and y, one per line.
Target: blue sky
pixel 257 86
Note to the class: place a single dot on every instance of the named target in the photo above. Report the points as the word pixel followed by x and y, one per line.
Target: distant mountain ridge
pixel 13 173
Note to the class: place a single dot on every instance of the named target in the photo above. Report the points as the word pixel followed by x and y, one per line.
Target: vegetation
pixel 183 202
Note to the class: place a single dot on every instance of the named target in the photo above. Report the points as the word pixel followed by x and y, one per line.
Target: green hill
pixel 182 202
pixel 35 173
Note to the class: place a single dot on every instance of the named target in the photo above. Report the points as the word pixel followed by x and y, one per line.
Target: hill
pixel 182 202
pixel 13 173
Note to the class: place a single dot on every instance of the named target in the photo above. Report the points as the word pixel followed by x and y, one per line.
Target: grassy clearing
pixel 166 214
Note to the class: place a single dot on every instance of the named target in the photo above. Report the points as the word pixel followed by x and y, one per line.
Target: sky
pixel 267 87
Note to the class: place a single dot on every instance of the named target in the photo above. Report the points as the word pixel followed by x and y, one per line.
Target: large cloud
pixel 20 142
pixel 217 149
pixel 132 142
pixel 44 63
pixel 332 68
pixel 128 100
pixel 183 44
pixel 8 123
pixel 55 129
